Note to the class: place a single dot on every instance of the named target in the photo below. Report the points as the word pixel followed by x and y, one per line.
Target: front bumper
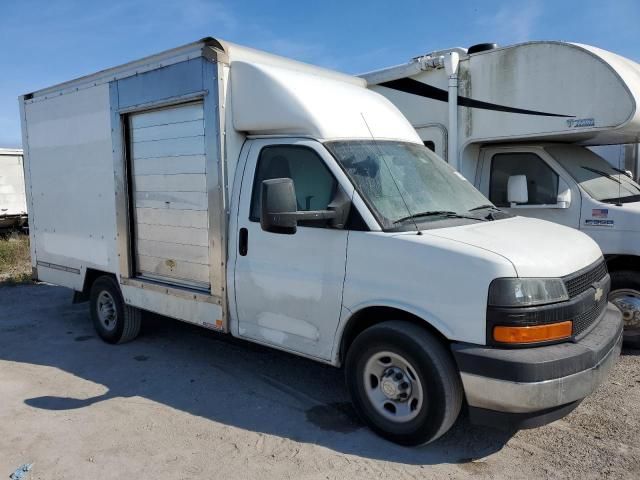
pixel 540 379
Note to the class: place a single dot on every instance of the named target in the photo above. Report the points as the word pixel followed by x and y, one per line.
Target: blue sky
pixel 46 42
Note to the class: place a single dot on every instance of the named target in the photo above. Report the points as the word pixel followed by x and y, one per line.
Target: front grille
pixel 583 321
pixel 580 282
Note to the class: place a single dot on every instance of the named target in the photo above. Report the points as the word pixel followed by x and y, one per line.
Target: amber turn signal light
pixel 533 333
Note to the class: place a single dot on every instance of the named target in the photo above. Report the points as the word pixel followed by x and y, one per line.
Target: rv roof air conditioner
pixel 481 47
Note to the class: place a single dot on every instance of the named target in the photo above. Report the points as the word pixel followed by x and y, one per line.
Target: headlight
pixel 525 292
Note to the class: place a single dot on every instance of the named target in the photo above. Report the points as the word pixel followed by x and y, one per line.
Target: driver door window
pixel 315 185
pixel 542 181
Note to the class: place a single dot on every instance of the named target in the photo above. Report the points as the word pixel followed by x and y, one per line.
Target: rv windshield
pixel 594 174
pixel 405 184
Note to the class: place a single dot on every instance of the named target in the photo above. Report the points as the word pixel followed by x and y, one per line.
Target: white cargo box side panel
pixel 12 194
pixel 69 160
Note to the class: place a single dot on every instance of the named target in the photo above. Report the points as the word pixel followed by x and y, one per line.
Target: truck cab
pixel 573 186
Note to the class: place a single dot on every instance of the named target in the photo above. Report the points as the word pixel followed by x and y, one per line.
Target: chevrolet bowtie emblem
pixel 598 294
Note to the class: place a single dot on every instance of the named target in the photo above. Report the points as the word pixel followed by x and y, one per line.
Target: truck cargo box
pixel 13 205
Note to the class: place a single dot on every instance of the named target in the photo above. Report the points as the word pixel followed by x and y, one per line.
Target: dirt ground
pixel 183 403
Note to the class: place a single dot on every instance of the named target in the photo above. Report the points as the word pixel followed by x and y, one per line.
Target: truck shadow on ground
pixel 213 376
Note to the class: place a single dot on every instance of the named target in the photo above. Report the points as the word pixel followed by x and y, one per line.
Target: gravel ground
pixel 183 403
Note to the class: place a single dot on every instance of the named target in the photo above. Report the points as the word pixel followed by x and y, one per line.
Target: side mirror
pixel 517 191
pixel 278 197
pixel 279 210
pixel 564 196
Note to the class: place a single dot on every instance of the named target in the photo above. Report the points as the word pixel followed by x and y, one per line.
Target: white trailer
pixel 13 202
pixel 516 121
pixel 284 204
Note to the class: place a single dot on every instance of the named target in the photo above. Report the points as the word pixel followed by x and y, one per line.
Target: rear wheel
pixel 625 294
pixel 403 382
pixel 115 321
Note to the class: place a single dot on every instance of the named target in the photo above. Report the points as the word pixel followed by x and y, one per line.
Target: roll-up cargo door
pixel 169 195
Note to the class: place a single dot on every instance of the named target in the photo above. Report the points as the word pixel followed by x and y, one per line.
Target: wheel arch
pixel 370 315
pixel 90 276
pixel 617 262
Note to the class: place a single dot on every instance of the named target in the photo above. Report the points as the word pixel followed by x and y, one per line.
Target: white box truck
pixel 284 204
pixel 13 202
pixel 516 121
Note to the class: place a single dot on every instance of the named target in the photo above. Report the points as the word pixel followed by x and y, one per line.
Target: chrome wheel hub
pixel 393 387
pixel 628 301
pixel 107 312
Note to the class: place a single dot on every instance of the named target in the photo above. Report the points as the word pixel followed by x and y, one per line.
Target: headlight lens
pixel 525 292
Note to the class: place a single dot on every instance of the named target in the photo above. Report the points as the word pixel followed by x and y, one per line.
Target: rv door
pixel 526 181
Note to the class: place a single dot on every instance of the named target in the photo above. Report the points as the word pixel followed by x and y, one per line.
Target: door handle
pixel 243 241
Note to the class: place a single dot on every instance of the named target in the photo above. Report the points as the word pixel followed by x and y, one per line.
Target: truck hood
pixel 536 248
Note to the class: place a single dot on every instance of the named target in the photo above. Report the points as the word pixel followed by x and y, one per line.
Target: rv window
pixel 315 185
pixel 542 181
pixel 430 145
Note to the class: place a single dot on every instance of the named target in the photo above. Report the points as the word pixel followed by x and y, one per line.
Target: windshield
pixel 599 179
pixel 406 183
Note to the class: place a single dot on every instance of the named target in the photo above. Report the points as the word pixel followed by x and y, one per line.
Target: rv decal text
pixel 581 122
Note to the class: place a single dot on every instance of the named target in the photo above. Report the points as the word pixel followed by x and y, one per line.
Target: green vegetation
pixel 15 259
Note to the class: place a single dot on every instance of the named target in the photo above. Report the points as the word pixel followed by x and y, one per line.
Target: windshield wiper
pixel 611 177
pixel 438 213
pixel 482 207
pixel 626 199
pixel 620 170
pixel 602 173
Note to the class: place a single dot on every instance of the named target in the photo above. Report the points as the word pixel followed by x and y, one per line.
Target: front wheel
pixel 403 382
pixel 114 320
pixel 625 294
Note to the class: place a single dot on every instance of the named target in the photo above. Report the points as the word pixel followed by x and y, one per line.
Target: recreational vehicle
pixel 517 121
pixel 284 204
pixel 13 204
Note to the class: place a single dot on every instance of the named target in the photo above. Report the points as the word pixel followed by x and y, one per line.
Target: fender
pixel 348 313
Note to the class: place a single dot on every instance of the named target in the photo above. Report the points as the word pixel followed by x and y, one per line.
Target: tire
pixel 625 294
pixel 429 369
pixel 115 321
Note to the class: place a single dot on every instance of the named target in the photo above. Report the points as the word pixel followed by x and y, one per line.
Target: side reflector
pixel 533 333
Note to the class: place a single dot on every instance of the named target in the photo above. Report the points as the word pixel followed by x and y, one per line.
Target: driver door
pixel 289 286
